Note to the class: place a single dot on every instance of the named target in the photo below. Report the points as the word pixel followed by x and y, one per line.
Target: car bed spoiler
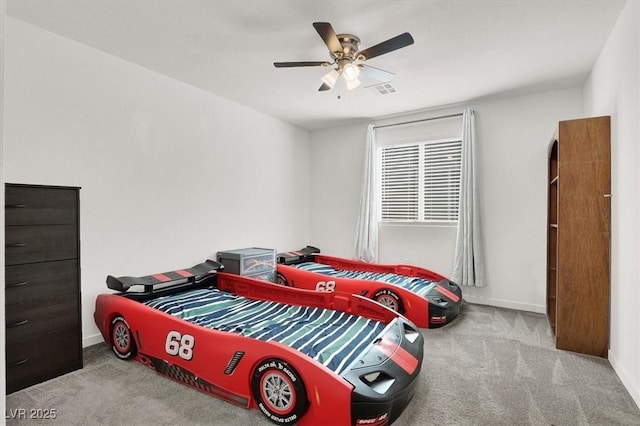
pixel 293 257
pixel 199 274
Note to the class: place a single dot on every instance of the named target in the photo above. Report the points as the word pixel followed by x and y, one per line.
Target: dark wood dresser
pixel 42 283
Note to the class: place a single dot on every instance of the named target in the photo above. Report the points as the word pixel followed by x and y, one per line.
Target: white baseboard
pixel 92 340
pixel 528 307
pixel 627 379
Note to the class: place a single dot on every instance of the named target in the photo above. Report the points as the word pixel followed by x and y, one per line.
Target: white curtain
pixel 367 229
pixel 469 267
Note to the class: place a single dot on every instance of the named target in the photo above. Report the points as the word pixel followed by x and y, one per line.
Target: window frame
pixel 423 219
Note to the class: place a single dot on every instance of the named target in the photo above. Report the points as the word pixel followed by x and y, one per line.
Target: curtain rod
pixel 417 121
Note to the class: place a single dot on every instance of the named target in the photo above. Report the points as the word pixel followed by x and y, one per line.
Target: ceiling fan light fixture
pixel 330 78
pixel 352 83
pixel 351 72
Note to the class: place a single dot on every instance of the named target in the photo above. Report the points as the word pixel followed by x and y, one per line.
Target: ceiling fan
pixel 345 55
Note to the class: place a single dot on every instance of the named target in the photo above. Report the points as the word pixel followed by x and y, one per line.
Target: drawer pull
pixel 15 245
pixel 15 206
pixel 19 323
pixel 17 363
pixel 16 284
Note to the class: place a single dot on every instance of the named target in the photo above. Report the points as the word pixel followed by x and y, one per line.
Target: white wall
pixel 513 135
pixel 169 174
pixel 613 88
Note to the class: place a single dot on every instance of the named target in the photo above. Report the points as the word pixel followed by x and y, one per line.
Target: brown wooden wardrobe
pixel 579 190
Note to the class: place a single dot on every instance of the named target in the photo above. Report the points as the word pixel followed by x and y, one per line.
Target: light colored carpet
pixel 491 366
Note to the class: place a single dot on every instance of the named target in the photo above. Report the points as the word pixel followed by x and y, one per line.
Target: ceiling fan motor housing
pixel 350 45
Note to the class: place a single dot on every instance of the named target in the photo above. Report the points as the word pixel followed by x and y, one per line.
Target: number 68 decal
pixel 180 344
pixel 326 286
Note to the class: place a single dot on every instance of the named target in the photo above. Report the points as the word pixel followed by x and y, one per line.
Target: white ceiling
pixel 463 50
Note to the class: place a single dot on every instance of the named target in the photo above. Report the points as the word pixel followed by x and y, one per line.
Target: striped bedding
pixel 334 339
pixel 420 286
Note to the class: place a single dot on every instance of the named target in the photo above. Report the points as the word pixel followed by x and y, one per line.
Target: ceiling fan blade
pixel 376 73
pixel 390 45
pixel 324 87
pixel 301 64
pixel 328 35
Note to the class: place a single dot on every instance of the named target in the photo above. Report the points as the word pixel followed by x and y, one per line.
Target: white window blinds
pixel 400 182
pixel 420 182
pixel 441 186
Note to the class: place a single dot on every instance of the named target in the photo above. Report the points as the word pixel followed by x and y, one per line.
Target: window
pixel 420 181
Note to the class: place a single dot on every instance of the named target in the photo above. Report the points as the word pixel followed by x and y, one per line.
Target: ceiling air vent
pixel 384 88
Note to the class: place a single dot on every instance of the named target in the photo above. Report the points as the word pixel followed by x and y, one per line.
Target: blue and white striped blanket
pixel 420 286
pixel 334 339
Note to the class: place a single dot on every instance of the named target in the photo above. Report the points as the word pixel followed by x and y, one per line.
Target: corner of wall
pixel 613 88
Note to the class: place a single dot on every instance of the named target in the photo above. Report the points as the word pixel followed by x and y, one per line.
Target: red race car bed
pixel 425 297
pixel 298 356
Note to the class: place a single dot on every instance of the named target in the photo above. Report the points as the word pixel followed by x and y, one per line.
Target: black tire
pixel 281 280
pixel 390 299
pixel 279 392
pixel 122 341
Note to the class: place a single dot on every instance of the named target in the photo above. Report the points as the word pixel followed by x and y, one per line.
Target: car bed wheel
pixel 390 299
pixel 122 341
pixel 279 392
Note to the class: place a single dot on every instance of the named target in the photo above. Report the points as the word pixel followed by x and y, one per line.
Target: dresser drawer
pixel 33 205
pixel 39 282
pixel 37 360
pixel 24 322
pixel 28 244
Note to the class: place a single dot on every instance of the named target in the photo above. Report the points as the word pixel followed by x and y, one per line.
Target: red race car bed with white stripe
pixel 298 356
pixel 425 297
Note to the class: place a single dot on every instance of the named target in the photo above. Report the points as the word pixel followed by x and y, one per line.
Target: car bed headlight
pixel 378 381
pixel 410 333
